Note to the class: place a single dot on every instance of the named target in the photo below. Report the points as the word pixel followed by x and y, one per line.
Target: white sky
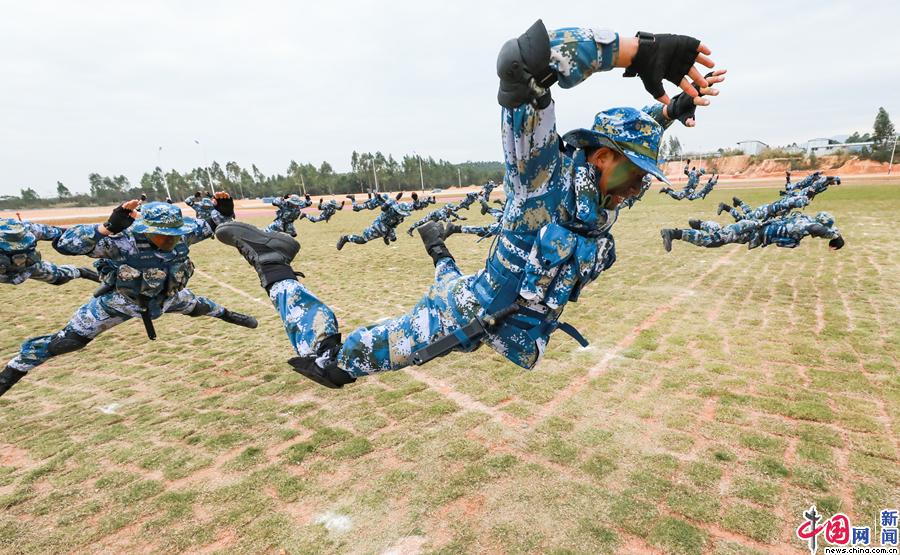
pixel 99 86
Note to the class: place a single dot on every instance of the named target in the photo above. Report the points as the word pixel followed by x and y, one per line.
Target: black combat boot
pixel 87 273
pixel 239 319
pixel 270 254
pixel 667 236
pixel 736 202
pixel 341 242
pixel 723 208
pixel 450 229
pixel 432 235
pixel 328 374
pixel 8 378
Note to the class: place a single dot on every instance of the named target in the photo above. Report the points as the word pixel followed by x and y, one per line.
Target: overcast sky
pixel 94 86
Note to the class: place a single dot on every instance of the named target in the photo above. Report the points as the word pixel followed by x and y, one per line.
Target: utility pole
pixel 458 177
pixel 206 162
pixel 422 176
pixel 303 183
pixel 893 150
pixel 374 173
pixel 159 165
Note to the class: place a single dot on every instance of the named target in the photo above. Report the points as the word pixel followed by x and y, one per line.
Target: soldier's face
pixel 619 178
pixel 163 242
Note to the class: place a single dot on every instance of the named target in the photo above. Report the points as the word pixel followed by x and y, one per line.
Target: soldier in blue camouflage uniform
pixel 693 176
pixel 483 194
pixel 289 210
pixel 766 211
pixel 555 236
pixel 482 231
pixel 706 189
pixel 326 211
pixel 447 213
pixel 144 267
pixel 785 231
pixel 203 205
pixel 392 215
pixel 373 202
pixel 645 186
pixel 796 198
pixel 419 204
pixel 21 261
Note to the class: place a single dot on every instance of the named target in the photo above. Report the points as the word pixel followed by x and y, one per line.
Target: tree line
pixel 244 182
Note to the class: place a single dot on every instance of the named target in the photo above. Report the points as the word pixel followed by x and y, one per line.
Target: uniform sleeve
pixel 189 201
pixel 86 240
pixel 44 232
pixel 655 111
pixel 577 53
pixel 277 202
pixel 201 231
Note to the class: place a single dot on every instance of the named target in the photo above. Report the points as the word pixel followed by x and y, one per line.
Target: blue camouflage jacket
pixel 555 238
pixel 16 265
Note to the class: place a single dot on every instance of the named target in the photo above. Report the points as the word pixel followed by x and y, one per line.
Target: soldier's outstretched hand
pixel 121 218
pixel 224 204
pixel 683 106
pixel 654 57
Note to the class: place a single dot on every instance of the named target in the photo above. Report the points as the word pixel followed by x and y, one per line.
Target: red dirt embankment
pixel 741 167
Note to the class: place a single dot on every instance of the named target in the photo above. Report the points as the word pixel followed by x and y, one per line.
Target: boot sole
pixel 231 232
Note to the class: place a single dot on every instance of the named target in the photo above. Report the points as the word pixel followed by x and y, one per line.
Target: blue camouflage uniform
pixel 555 238
pixel 203 207
pixel 288 211
pixel 447 213
pixel 484 231
pixel 137 278
pixel 20 260
pixel 372 203
pixel 392 215
pixel 805 182
pixel 809 188
pixel 326 211
pixel 693 179
pixel 705 190
pixel 767 211
pixel 786 231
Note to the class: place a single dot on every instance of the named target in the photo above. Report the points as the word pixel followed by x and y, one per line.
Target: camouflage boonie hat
pixel 162 218
pixel 628 131
pixel 295 200
pixel 14 236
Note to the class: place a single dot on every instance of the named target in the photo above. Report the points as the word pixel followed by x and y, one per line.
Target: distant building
pixel 822 146
pixel 752 147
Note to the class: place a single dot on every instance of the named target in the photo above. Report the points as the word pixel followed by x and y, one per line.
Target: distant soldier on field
pixel 21 261
pixel 144 267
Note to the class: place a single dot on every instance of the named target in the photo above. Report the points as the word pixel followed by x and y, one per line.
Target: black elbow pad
pixel 523 66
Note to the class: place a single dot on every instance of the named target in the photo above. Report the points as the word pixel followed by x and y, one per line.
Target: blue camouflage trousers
pixel 677 195
pixel 283 226
pixel 482 230
pixel 387 345
pixel 103 313
pixel 47 272
pixel 374 231
pixel 771 210
pixel 711 234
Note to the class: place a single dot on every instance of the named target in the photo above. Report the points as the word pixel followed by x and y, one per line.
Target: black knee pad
pixel 67 342
pixel 199 310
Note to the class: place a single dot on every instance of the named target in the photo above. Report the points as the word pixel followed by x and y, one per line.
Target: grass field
pixel 724 392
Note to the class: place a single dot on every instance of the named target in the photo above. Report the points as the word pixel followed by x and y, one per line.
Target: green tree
pixel 62 192
pixel 883 130
pixel 30 195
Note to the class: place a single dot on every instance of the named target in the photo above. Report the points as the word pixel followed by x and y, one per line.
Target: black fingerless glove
pixel 682 106
pixel 225 206
pixel 119 220
pixel 662 56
